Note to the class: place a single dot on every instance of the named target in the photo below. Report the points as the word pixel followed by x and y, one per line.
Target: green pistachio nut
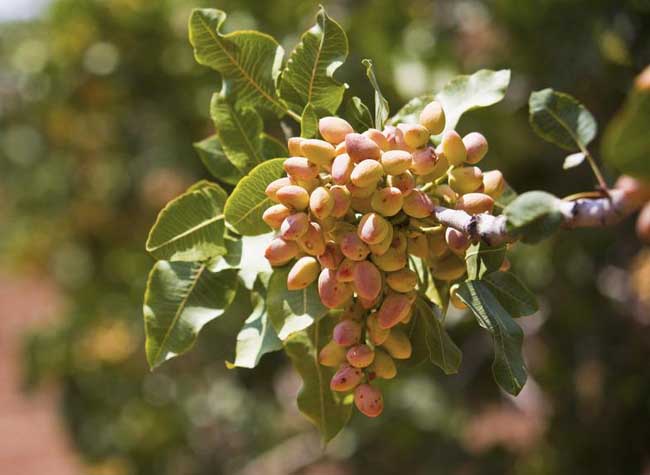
pixel 318 151
pixel 303 273
pixel 293 196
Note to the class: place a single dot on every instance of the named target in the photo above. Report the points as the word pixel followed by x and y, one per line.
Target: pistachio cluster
pixel 352 209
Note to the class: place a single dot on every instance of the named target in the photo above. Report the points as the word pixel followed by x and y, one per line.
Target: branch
pixel 580 213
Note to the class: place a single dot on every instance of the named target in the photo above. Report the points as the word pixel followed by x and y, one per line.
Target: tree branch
pixel 580 213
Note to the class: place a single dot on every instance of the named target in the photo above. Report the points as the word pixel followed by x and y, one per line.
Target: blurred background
pixel 100 102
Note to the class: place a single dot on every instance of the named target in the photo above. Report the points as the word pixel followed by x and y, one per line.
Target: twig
pixel 578 213
pixel 602 184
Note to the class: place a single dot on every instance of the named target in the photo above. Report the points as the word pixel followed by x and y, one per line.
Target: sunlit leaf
pixel 573 160
pixel 309 75
pixel 257 337
pixel 214 159
pixel 462 94
pixel 465 93
pixel 410 112
pixel 292 310
pixel 248 61
pixel 239 131
pixel 181 297
pixel 382 108
pixel 190 227
pixel 244 253
pixel 308 122
pixel 248 201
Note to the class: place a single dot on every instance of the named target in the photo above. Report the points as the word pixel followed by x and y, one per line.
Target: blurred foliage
pixel 100 103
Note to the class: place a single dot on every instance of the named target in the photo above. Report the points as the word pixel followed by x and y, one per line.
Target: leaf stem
pixel 294 116
pixel 583 194
pixel 596 169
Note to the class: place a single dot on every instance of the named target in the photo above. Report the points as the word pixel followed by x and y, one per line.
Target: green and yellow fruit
pixel 433 118
pixel 366 173
pixel 403 280
pixel 332 355
pixel 318 151
pixel 321 203
pixel 398 344
pixel 293 196
pixel 304 272
pixel 466 179
pixel 383 366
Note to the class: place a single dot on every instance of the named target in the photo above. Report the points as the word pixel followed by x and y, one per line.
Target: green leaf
pixel 244 253
pixel 626 142
pixel 308 122
pixel 273 148
pixel 357 114
pixel 309 75
pixel 508 366
pixel 512 294
pixel 507 197
pixel 248 61
pixel 329 411
pixel 181 297
pixel 215 160
pixel 560 119
pixel 437 291
pixel 257 337
pixel 573 160
pixel 291 311
pixel 382 108
pixel 462 94
pixel 190 227
pixel 248 201
pixel 431 341
pixel 410 112
pixel 465 93
pixel 199 185
pixel 239 131
pixel 482 259
pixel 534 216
